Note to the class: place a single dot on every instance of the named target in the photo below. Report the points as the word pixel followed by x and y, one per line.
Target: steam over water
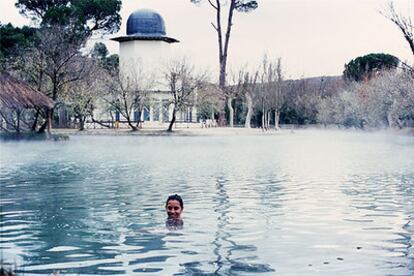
pixel 303 203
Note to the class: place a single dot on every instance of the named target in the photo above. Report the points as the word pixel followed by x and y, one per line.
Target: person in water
pixel 174 207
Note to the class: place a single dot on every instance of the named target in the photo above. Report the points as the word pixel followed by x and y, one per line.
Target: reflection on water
pixel 307 203
pixel 230 258
pixel 174 224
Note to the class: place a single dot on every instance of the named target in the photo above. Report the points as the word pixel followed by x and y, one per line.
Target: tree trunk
pixel 263 116
pixel 62 120
pixel 231 112
pixel 390 120
pixel 133 128
pixel 49 120
pixel 174 114
pixel 82 123
pixel 18 121
pixel 43 127
pixel 223 49
pixel 139 125
pixel 222 63
pixel 277 116
pixel 128 117
pixel 268 120
pixel 249 103
pixel 34 125
pixel 47 124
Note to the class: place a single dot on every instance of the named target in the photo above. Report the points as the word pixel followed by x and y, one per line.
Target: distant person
pixel 174 207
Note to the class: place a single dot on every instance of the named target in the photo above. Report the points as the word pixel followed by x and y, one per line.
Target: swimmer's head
pixel 174 206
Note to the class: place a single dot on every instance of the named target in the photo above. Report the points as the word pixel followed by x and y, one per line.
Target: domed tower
pixel 146 44
pixel 144 53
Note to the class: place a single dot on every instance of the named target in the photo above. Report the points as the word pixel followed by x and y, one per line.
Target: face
pixel 173 209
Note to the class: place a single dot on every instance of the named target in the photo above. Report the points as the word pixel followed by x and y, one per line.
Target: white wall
pixel 150 56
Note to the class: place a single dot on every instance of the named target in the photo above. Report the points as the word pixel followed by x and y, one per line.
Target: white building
pixel 145 51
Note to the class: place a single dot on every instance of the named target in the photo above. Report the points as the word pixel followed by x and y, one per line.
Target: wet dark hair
pixel 175 197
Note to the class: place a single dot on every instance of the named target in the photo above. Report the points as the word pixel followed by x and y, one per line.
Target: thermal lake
pixel 308 202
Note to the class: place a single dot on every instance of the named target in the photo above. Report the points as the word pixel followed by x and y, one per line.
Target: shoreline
pixel 222 131
pixel 219 131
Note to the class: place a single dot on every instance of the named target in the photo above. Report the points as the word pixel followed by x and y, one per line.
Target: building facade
pixel 144 53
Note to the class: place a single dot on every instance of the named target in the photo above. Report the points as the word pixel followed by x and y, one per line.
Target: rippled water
pixel 303 203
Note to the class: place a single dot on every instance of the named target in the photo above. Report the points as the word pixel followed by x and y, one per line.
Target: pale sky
pixel 313 37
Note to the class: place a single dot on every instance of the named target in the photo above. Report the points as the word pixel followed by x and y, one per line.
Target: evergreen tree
pixel 365 67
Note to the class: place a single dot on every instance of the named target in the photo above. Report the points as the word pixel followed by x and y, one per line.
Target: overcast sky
pixel 313 37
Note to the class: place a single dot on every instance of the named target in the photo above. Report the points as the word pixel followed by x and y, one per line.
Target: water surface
pixel 303 203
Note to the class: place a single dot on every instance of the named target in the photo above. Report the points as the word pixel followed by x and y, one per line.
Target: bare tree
pixel 244 86
pixel 390 99
pixel 263 101
pixel 271 96
pixel 128 92
pixel 404 23
pixel 384 101
pixel 31 65
pixel 82 95
pixel 183 84
pixel 224 33
pixel 249 84
pixel 233 91
pixel 276 93
pixel 209 102
pixel 52 65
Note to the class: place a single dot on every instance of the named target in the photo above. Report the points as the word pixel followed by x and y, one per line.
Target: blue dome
pixel 145 23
